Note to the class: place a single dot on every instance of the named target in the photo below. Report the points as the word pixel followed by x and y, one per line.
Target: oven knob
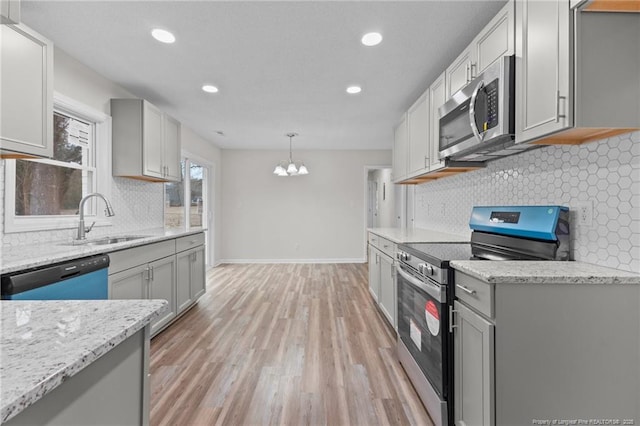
pixel 421 268
pixel 406 257
pixel 429 269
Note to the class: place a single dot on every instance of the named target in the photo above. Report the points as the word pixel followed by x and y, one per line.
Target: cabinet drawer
pixel 374 240
pixel 387 247
pixel 190 241
pixel 475 293
pixel 129 258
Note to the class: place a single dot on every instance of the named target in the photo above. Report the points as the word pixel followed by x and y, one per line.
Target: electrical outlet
pixel 585 214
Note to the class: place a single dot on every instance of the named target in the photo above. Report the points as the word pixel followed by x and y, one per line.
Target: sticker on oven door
pixel 433 317
pixel 415 334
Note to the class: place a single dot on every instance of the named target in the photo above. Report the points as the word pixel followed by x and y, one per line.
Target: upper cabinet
pixel 26 93
pixel 418 127
pixel 576 73
pixel 494 41
pixel 9 11
pixel 437 98
pixel 400 150
pixel 146 142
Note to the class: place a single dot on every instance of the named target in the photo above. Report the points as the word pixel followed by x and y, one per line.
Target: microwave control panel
pixel 487 107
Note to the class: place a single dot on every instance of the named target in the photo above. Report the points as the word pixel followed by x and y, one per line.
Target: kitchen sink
pixel 105 241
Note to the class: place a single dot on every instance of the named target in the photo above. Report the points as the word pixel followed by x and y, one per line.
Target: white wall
pixel 318 217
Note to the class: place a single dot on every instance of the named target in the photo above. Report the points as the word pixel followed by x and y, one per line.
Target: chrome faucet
pixel 108 212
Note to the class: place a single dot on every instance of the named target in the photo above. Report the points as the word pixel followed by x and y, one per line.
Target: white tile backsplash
pixel 138 205
pixel 606 173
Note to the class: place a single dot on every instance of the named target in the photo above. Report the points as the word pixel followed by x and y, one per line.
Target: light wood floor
pixel 282 344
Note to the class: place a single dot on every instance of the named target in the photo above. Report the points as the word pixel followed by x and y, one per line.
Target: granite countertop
pixel 543 272
pixel 31 256
pixel 417 235
pixel 43 343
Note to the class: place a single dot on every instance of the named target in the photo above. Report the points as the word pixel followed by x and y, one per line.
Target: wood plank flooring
pixel 292 344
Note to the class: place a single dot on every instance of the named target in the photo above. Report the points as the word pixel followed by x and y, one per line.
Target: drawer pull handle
pixel 466 290
pixel 386 246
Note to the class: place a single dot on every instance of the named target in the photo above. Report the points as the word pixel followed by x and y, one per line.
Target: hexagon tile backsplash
pixel 605 173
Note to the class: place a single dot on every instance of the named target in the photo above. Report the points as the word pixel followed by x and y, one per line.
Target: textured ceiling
pixel 280 66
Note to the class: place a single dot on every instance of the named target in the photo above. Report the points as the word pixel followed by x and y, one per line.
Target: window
pixel 186 201
pixel 42 194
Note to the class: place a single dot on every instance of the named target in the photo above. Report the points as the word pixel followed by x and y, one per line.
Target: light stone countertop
pixel 416 235
pixel 543 272
pixel 31 256
pixel 43 343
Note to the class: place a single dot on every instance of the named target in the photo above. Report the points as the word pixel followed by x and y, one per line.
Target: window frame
pixel 102 164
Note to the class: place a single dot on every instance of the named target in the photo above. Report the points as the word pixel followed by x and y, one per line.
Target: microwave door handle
pixel 472 111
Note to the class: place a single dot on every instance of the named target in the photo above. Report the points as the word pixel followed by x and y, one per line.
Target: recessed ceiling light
pixel 209 88
pixel 354 89
pixel 163 36
pixel 371 39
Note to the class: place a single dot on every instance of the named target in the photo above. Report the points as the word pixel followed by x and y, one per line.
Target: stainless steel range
pixel 425 289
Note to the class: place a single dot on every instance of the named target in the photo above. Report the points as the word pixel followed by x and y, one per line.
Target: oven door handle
pixel 472 112
pixel 432 290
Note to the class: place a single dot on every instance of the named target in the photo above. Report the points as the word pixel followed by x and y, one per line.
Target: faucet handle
pixel 87 230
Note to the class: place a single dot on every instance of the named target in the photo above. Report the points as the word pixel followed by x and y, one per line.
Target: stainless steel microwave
pixel 478 123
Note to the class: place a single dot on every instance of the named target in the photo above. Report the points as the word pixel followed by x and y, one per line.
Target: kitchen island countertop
pixel 31 256
pixel 417 235
pixel 44 343
pixel 543 272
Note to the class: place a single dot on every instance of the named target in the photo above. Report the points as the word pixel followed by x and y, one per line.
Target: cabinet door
pixel 130 284
pixel 437 97
pixel 496 39
pixel 198 277
pixel 387 299
pixel 473 368
pixel 183 281
pixel 26 92
pixel 418 126
pixel 543 80
pixel 152 140
pixel 400 151
pixel 9 11
pixel 374 273
pixel 162 286
pixel 171 149
pixel 458 74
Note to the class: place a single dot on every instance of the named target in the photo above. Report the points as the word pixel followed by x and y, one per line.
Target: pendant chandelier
pixel 290 169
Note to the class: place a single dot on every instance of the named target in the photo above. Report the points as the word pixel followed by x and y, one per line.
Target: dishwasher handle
pixel 21 281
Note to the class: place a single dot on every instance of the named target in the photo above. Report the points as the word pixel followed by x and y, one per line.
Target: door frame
pixel 365 172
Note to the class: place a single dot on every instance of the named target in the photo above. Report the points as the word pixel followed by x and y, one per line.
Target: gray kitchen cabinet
pixel 146 142
pixel 26 93
pixel 543 85
pixel 418 136
pixel 437 97
pixel 546 350
pixel 191 277
pixel 400 149
pixel 473 368
pixel 9 11
pixel 162 285
pixel 496 40
pixel 374 272
pixel 458 74
pixel 129 284
pixel 387 299
pixel 562 56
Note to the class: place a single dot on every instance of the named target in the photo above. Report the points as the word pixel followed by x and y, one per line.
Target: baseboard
pixel 353 260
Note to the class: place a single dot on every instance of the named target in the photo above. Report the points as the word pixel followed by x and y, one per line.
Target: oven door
pixel 423 325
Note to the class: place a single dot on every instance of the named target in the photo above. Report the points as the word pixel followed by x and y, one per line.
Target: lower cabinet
pixel 172 270
pixel 473 367
pixel 387 299
pixel 374 273
pixel 191 277
pixel 154 280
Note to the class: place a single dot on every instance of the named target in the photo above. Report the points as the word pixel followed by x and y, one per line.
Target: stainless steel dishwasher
pixel 78 279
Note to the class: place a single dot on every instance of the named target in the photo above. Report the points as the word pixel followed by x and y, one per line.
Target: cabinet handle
pixel 471 67
pixel 558 97
pixel 376 258
pixel 148 273
pixel 466 73
pixel 385 245
pixel 151 268
pixel 466 289
pixel 451 316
